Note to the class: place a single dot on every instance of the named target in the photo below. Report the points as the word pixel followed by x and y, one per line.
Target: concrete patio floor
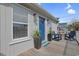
pixel 55 48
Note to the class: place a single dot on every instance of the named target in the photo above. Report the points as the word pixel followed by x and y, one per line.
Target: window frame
pixel 22 39
pixel 21 23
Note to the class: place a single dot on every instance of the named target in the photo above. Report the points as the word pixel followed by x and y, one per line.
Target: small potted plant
pixel 50 35
pixel 37 41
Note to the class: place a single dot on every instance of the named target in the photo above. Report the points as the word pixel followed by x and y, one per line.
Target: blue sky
pixel 62 10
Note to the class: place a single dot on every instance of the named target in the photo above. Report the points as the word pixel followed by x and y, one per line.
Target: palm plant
pixel 36 34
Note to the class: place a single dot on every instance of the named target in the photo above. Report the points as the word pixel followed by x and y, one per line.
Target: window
pixel 19 30
pixel 20 22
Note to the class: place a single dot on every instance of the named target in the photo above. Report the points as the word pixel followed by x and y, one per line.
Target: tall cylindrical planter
pixel 49 37
pixel 37 43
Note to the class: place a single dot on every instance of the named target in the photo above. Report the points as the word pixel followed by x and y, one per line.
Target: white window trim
pixel 22 38
pixel 20 23
pixel 18 40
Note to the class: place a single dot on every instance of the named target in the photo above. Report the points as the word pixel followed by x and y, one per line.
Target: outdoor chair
pixel 56 37
pixel 71 38
pixel 67 37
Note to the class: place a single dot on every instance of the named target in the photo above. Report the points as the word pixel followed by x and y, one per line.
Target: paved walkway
pixel 55 48
pixel 71 48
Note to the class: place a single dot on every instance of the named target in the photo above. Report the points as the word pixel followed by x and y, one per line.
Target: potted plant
pixel 50 35
pixel 37 41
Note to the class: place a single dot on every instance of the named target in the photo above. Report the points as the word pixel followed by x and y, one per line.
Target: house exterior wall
pixel 5 25
pixel 6 30
pixel 7 45
pixel 54 27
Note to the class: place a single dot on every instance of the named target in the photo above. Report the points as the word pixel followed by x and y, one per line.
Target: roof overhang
pixel 40 10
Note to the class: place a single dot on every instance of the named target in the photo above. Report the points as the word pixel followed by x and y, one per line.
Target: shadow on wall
pixel 2 54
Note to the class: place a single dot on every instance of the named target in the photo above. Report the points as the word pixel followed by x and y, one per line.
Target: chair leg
pixel 77 42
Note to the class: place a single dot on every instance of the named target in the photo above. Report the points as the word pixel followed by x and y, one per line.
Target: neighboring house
pixel 74 26
pixel 62 27
pixel 17 24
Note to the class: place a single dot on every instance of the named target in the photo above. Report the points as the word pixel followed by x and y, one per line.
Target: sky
pixel 64 11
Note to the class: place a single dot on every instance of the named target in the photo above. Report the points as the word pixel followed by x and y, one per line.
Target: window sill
pixel 19 40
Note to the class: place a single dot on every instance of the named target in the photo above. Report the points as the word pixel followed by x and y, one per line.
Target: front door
pixel 42 28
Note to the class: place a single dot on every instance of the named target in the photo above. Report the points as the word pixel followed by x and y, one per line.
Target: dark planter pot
pixel 49 37
pixel 37 43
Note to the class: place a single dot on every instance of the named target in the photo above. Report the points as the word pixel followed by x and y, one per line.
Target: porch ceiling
pixel 40 10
